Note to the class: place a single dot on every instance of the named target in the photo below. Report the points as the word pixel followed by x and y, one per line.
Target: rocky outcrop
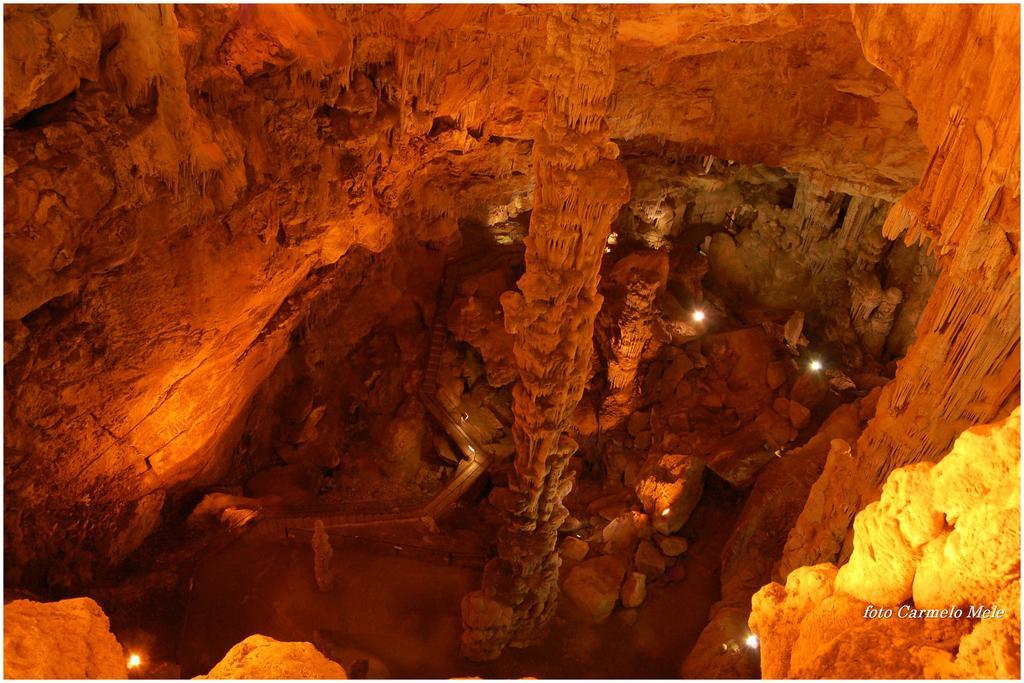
pixel 808 631
pixel 65 639
pixel 476 317
pixel 195 196
pixel 754 553
pixel 260 657
pixel 322 554
pixel 943 534
pixel 930 557
pixel 579 189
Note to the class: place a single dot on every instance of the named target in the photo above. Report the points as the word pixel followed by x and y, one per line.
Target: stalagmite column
pixel 639 277
pixel 579 188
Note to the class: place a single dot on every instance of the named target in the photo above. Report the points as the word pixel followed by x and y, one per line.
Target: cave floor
pixel 404 611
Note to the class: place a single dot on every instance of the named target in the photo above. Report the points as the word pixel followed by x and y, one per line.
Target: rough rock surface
pixel 65 639
pixel 580 187
pixel 573 549
pixel 476 317
pixel 942 537
pixel 627 326
pixel 147 148
pixel 260 657
pixel 191 190
pixel 669 488
pixel 944 534
pixel 634 590
pixel 808 631
pixel 757 543
pixel 964 368
pixel 593 586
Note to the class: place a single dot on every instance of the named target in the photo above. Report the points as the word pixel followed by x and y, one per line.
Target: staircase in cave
pixel 458 424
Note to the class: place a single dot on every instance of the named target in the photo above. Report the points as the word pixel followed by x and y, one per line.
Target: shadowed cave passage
pixel 506 341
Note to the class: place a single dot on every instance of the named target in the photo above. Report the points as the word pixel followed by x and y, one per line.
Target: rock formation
pixel 322 553
pixel 613 271
pixel 629 312
pixel 65 639
pixel 964 368
pixel 148 147
pixel 782 491
pixel 260 657
pixel 934 576
pixel 579 189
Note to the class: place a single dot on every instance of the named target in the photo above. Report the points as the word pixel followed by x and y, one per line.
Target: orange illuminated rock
pixel 626 325
pixel 593 586
pixel 226 230
pixel 672 546
pixel 476 317
pixel 622 533
pixel 634 590
pixel 669 488
pixel 757 542
pixel 65 639
pixel 945 535
pixel 573 549
pixel 963 369
pixel 649 561
pixel 580 186
pixel 807 630
pixel 260 657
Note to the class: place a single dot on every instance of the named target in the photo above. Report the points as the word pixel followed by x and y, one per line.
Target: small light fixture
pixel 815 365
pixel 698 315
pixel 666 512
pixel 752 642
pixel 134 661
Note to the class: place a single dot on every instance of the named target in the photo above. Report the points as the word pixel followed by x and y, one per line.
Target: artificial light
pixel 134 661
pixel 698 315
pixel 752 642
pixel 815 365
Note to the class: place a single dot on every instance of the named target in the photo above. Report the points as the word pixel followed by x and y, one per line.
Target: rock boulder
pixel 260 657
pixel 593 586
pixel 669 489
pixel 65 639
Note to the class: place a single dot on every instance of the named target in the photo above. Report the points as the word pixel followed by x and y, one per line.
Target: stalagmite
pixel 636 282
pixel 322 553
pixel 579 189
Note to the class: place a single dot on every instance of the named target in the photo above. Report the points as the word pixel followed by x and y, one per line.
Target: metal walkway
pixel 476 456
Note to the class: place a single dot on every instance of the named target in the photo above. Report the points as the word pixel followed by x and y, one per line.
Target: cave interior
pixel 418 341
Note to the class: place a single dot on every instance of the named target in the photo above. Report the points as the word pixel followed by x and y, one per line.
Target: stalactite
pixel 964 367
